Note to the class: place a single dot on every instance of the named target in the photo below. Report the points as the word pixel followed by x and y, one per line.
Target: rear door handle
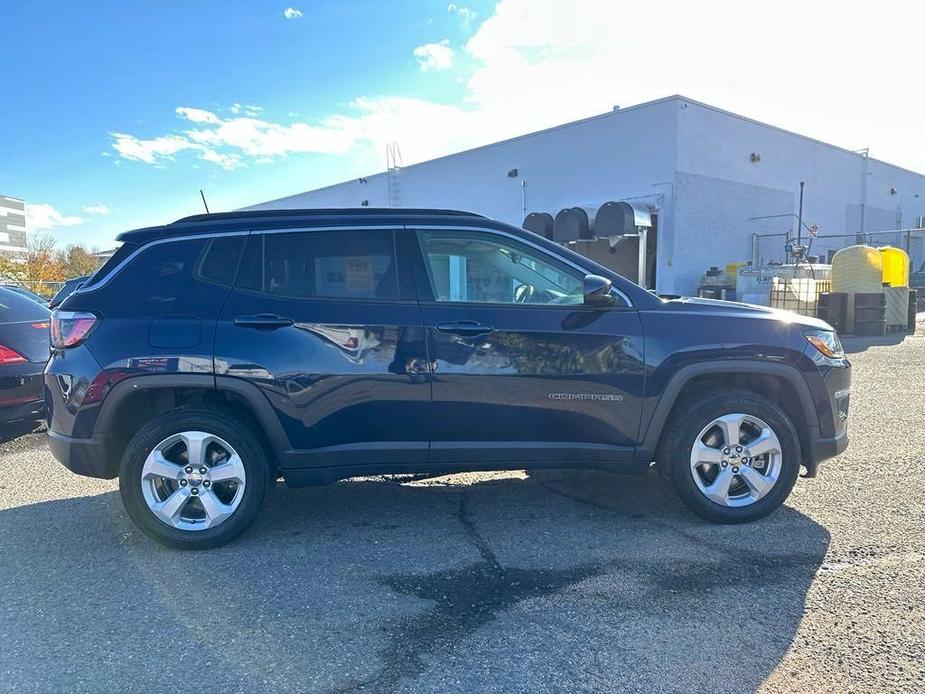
pixel 263 321
pixel 469 328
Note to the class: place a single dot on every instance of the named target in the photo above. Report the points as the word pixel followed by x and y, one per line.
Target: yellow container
pixel 895 266
pixel 857 270
pixel 732 269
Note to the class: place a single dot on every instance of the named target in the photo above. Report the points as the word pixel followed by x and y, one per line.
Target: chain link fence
pixel 771 249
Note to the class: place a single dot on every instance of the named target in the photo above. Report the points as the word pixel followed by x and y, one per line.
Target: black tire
pixel 680 435
pixel 227 426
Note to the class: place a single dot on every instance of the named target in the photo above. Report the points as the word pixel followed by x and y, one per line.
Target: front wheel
pixel 194 478
pixel 733 457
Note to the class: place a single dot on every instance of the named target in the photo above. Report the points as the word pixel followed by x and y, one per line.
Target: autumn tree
pixel 41 264
pixel 77 261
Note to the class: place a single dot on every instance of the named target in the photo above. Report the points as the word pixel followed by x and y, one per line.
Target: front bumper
pixel 823 448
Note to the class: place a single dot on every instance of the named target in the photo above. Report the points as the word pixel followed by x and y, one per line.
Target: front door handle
pixel 469 328
pixel 263 321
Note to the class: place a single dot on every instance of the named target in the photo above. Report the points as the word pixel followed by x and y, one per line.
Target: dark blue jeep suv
pixel 214 355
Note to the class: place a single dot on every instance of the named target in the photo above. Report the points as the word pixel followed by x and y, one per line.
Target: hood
pixel 736 309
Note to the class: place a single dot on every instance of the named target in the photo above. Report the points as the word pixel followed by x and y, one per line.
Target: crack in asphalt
pixel 464 600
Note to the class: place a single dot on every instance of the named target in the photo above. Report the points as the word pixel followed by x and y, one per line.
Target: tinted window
pixel 122 252
pixel 219 261
pixel 348 264
pixel 488 268
pixel 168 279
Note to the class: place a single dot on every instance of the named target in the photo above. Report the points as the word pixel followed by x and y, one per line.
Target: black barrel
pixel 870 314
pixel 539 223
pixel 833 309
pixel 910 326
pixel 872 299
pixel 571 224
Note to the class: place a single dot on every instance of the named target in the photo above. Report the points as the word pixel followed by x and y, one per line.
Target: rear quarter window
pixel 176 277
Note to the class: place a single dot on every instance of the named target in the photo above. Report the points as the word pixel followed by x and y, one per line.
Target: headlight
pixel 826 342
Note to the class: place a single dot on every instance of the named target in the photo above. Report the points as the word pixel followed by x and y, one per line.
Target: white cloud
pixel 435 56
pixel 150 151
pixel 292 13
pixel 465 14
pixel 99 208
pixel 226 161
pixel 197 115
pixel 44 217
pixel 531 65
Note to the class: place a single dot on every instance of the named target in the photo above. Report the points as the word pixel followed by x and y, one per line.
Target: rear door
pixel 523 371
pixel 326 323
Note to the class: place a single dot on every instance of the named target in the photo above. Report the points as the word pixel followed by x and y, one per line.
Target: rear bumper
pixel 21 392
pixel 88 457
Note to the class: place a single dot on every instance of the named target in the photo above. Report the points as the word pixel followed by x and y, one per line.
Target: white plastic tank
pixel 857 270
pixel 753 285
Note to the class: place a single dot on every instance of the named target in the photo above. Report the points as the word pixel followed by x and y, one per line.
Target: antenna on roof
pixel 205 204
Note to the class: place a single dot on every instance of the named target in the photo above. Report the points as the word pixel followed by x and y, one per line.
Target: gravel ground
pixel 557 581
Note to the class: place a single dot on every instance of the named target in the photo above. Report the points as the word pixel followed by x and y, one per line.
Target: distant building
pixel 712 186
pixel 12 225
pixel 103 256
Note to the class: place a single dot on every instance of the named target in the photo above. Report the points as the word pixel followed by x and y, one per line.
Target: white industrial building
pixel 710 179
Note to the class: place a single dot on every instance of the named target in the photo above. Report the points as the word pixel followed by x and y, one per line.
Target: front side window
pixel 347 264
pixel 480 267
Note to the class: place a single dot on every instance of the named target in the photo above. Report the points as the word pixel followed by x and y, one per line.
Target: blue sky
pixel 117 113
pixel 83 71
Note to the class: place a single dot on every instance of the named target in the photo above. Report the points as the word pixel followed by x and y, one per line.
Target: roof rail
pixel 347 211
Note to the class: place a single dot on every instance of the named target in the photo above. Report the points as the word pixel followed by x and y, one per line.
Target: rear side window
pixel 219 260
pixel 122 252
pixel 348 264
pixel 178 277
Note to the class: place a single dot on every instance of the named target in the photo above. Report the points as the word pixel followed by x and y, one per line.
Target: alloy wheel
pixel 736 460
pixel 193 480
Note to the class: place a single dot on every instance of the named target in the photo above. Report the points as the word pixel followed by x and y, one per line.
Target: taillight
pixel 70 328
pixel 10 356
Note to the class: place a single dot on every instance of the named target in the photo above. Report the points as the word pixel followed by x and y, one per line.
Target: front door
pixel 524 372
pixel 326 324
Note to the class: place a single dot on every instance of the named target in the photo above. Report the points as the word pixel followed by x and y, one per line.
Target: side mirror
pixel 597 290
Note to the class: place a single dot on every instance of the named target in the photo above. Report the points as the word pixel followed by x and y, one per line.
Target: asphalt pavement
pixel 490 582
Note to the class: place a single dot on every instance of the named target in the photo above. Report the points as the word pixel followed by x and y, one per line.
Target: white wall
pixel 720 189
pixel 608 157
pixel 690 161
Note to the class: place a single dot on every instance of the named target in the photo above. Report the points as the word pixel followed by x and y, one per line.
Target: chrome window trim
pixel 541 249
pixel 192 237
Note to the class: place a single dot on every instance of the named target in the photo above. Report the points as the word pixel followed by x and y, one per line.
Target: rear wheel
pixel 733 457
pixel 194 478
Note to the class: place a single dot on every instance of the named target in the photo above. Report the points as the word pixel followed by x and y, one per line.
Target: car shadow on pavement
pixel 549 581
pixel 10 431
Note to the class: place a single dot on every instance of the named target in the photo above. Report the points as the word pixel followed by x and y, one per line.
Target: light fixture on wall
pixel 755 157
pixel 512 173
pixel 893 191
pixel 364 203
